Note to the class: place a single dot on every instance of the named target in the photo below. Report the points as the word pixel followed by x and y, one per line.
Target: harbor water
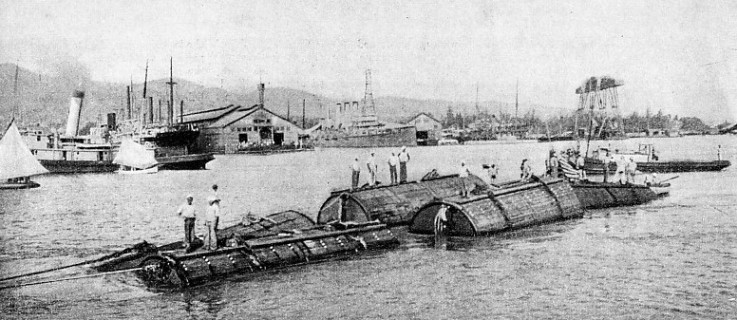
pixel 674 258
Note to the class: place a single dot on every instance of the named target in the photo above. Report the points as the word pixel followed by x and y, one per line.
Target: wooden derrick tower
pixel 599 108
pixel 368 99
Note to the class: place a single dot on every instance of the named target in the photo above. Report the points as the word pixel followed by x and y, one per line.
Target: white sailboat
pixel 134 158
pixel 17 163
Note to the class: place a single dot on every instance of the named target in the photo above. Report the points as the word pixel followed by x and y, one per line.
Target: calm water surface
pixel 673 258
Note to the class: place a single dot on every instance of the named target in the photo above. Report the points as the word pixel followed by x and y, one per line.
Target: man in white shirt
pixel 580 162
pixel 188 213
pixel 631 169
pixel 212 217
pixel 372 167
pixel 393 162
pixel 403 159
pixel 356 169
pixel 607 160
pixel 621 165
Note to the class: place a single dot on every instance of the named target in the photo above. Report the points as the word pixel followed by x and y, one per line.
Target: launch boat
pixel 647 160
pixel 250 248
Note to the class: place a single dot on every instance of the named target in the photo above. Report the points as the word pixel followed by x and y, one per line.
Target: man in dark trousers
pixel 356 169
pixel 403 159
pixel 188 212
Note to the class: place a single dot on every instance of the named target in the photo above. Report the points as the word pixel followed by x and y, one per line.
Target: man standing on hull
pixel 372 167
pixel 356 169
pixel 212 217
pixel 188 212
pixel 393 162
pixel 403 159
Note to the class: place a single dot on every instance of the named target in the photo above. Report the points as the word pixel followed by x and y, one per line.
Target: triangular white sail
pixel 134 155
pixel 16 159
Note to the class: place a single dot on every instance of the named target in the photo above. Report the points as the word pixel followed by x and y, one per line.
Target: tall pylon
pixel 368 98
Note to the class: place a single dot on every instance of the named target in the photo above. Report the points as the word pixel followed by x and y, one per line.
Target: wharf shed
pixel 428 129
pixel 227 129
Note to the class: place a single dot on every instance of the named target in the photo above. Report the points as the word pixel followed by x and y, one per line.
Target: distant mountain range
pixel 44 100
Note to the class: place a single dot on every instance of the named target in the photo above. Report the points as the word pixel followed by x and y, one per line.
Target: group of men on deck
pixel 571 164
pixel 400 159
pixel 188 212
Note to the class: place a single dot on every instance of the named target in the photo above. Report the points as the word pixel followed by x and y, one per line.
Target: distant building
pixel 428 128
pixel 231 128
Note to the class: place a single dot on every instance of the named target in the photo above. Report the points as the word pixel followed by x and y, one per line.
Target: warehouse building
pixel 428 128
pixel 233 128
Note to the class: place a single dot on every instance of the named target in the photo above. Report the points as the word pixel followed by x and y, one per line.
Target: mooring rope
pixel 18 285
pixel 109 256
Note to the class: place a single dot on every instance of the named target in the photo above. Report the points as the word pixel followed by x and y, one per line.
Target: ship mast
pixel 171 84
pixel 16 112
pixel 145 81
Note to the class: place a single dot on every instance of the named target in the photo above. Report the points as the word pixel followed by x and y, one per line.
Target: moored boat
pixel 648 161
pixel 17 164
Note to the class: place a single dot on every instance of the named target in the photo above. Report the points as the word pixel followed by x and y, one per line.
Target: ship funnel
pixel 75 111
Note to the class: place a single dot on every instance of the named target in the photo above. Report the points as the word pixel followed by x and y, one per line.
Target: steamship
pixel 70 152
pixel 350 125
pixel 354 127
pixel 73 153
pixel 174 145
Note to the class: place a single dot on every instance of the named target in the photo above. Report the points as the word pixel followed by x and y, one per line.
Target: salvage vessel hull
pixel 596 195
pixel 514 207
pixel 179 268
pixel 391 204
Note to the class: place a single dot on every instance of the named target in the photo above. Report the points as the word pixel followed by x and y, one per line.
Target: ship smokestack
pixel 150 110
pixel 261 89
pixel 75 111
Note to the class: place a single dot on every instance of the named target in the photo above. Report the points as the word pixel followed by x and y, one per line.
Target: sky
pixel 679 56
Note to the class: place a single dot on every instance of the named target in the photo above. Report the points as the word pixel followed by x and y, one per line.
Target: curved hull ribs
pixel 514 207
